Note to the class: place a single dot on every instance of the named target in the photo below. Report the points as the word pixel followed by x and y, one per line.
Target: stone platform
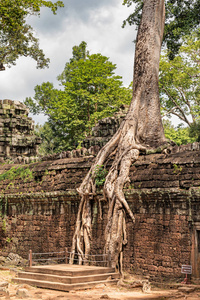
pixel 67 277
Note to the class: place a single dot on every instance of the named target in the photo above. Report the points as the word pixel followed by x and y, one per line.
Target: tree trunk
pixel 145 106
pixel 141 129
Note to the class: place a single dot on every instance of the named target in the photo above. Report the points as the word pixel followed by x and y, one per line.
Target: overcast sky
pixel 97 22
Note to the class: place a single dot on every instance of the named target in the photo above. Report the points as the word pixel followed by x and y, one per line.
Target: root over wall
pixel 40 213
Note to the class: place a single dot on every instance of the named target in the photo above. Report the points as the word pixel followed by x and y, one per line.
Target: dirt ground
pixel 103 291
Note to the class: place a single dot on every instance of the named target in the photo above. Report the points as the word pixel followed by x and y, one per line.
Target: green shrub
pixel 100 175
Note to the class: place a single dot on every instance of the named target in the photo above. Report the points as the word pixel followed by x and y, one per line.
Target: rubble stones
pixel 186 289
pixel 3 284
pixel 104 296
pixel 2 260
pixel 4 292
pixel 14 260
pixel 22 293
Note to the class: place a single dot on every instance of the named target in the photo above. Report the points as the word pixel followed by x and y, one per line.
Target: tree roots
pixel 142 128
pixel 126 152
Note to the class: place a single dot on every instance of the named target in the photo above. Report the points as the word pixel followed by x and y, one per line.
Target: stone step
pixel 66 270
pixel 67 279
pixel 62 286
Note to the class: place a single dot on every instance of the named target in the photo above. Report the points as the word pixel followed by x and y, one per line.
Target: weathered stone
pixel 3 284
pixel 105 296
pixel 16 131
pixel 4 292
pixel 105 129
pixel 186 289
pixel 2 260
pixel 40 212
pixel 22 293
pixel 14 260
pixel 13 271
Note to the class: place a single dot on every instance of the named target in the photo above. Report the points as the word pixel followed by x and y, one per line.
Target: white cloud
pixel 96 22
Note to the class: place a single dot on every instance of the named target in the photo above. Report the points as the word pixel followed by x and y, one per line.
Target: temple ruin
pixel 17 136
pixel 39 211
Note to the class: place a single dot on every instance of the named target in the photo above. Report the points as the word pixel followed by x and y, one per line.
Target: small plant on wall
pixel 100 175
pixel 177 169
pixel 13 173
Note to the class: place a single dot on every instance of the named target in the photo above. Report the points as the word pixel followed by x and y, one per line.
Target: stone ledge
pixel 129 193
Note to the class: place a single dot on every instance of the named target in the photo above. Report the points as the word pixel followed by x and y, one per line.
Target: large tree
pixel 16 35
pixel 141 129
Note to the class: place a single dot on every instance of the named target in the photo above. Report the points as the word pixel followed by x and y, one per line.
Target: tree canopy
pixel 90 91
pixel 181 17
pixel 16 36
pixel 179 81
pixel 51 141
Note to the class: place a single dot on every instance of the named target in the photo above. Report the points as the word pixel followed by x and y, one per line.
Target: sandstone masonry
pixel 16 131
pixel 39 211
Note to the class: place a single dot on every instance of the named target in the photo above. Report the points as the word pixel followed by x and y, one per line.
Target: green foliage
pixel 100 175
pixel 194 131
pixel 180 135
pixel 3 226
pixel 179 81
pixel 51 141
pixel 182 16
pixel 16 36
pixel 177 169
pixel 17 172
pixel 90 91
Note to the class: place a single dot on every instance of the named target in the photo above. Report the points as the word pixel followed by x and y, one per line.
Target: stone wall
pixel 105 129
pixel 39 211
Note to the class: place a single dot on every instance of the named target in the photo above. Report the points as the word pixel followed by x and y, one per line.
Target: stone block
pixel 3 284
pixel 22 293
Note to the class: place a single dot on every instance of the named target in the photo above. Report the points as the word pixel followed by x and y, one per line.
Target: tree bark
pixel 141 129
pixel 145 105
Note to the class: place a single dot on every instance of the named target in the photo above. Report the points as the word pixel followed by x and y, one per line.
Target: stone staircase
pixel 66 277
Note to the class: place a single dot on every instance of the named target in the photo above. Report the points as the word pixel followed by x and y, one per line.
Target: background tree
pixel 179 81
pixel 179 134
pixel 181 17
pixel 16 36
pixel 91 91
pixel 51 141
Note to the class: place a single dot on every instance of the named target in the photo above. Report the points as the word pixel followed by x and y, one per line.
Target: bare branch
pixel 168 111
pixel 187 102
pixel 182 116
